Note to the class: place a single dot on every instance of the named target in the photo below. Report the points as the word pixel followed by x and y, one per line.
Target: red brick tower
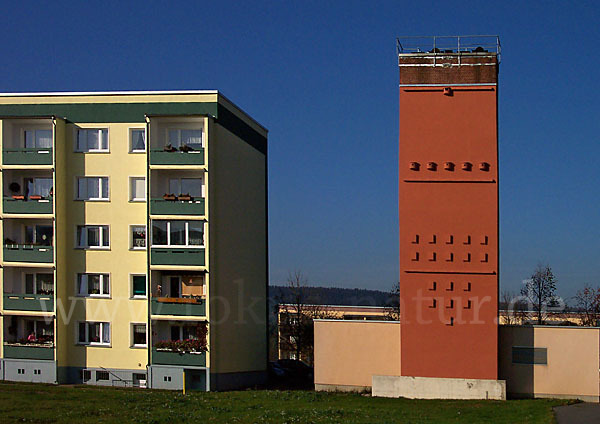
pixel 448 206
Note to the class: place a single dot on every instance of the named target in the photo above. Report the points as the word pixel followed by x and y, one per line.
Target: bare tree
pixel 540 290
pixel 588 302
pixel 392 307
pixel 296 327
pixel 507 307
pixel 513 308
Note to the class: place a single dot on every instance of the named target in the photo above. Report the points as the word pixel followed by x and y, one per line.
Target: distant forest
pixel 333 296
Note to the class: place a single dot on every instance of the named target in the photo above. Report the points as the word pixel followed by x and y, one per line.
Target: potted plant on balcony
pixel 169 148
pixel 18 197
pixel 169 196
pixel 184 197
pixel 195 346
pixel 185 148
pixel 35 197
pixel 182 346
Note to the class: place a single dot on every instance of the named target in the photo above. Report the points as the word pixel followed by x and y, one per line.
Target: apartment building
pixel 135 240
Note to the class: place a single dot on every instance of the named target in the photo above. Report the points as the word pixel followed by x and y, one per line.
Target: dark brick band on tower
pixel 448 208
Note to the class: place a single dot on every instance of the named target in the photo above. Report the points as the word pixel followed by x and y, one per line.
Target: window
pixel 39 283
pixel 184 332
pixel 37 139
pixel 92 188
pixel 92 140
pixel 102 376
pixel 529 355
pixel 138 379
pixel 138 237
pixel 191 186
pixel 93 237
pixel 180 137
pixel 43 331
pixel 138 338
pixel 93 285
pixel 138 285
pixel 94 333
pixel 137 189
pixel 86 375
pixel 138 140
pixel 38 187
pixel 40 235
pixel 177 233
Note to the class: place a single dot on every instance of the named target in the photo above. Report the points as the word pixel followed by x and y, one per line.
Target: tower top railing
pixel 449 44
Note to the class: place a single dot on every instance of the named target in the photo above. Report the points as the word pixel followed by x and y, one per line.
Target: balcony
pixel 162 157
pixel 28 253
pixel 182 306
pixel 177 207
pixel 29 302
pixel 27 351
pixel 30 156
pixel 165 357
pixel 176 256
pixel 21 206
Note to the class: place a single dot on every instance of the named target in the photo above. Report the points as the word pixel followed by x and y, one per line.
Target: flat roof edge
pixel 105 93
pixel 242 111
pixel 370 321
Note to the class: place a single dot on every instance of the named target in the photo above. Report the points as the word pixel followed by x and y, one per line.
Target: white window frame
pixel 87 341
pixel 35 274
pixel 87 150
pixel 132 191
pixel 35 232
pixel 101 182
pixel 131 149
pixel 131 246
pixel 187 236
pixel 86 246
pixel 35 327
pixel 179 129
pixel 179 184
pixel 132 336
pixel 137 296
pixel 85 276
pixel 35 129
pixel 35 182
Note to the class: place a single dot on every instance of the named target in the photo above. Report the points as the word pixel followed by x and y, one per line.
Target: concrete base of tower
pixel 437 388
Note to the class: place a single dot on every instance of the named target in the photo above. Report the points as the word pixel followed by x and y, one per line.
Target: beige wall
pixel 348 353
pixel 119 261
pixel 572 368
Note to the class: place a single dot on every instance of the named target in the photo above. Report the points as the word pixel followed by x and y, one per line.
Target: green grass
pixel 38 403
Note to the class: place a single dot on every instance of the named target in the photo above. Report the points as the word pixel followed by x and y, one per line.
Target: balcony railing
pixel 177 256
pixel 43 206
pixel 28 253
pixel 177 207
pixel 31 156
pixel 29 351
pixel 29 302
pixel 161 157
pixel 164 357
pixel 186 306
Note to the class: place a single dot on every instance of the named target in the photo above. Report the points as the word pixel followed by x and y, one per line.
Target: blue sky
pixel 322 76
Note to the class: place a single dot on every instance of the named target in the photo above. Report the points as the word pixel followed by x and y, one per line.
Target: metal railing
pixel 449 44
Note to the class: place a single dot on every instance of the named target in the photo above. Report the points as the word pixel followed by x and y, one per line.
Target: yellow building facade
pixel 134 228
